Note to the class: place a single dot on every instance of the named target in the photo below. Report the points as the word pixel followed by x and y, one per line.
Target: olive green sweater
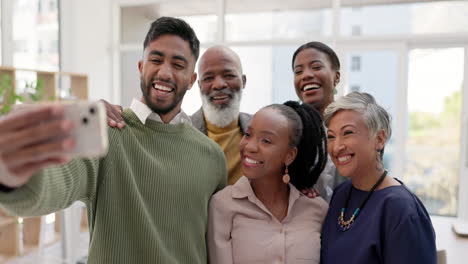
pixel 147 199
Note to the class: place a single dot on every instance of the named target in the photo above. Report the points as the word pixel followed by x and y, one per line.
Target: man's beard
pixel 178 96
pixel 221 115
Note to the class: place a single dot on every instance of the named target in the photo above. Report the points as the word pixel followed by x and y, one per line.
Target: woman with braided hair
pixel 263 217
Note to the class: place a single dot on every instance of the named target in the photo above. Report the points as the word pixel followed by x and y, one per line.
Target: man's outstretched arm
pixel 30 141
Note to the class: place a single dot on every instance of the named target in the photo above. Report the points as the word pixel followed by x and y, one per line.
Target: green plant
pixel 8 93
pixel 36 89
pixel 10 97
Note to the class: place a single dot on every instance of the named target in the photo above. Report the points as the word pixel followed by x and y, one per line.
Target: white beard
pixel 221 116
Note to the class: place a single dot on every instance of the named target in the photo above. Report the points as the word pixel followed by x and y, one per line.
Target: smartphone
pixel 90 126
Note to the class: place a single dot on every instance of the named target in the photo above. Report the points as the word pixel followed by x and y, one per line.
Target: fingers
pixel 34 135
pixel 111 122
pixel 119 107
pixel 114 115
pixel 310 192
pixel 314 193
pixel 37 153
pixel 117 111
pixel 29 117
pixel 115 120
pixel 25 172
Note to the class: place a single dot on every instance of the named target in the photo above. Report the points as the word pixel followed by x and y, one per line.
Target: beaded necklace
pixel 345 225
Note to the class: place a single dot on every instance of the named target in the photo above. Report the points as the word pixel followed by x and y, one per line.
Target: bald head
pixel 220 76
pixel 221 82
pixel 219 54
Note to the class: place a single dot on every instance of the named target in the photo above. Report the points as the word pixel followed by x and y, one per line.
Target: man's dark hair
pixel 308 135
pixel 173 26
pixel 335 62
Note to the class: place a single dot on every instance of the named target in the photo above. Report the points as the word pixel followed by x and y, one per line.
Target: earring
pixel 379 160
pixel 286 177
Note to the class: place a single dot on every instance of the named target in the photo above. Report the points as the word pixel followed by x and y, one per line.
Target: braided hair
pixel 308 135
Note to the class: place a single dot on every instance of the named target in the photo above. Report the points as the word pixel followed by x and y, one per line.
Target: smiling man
pixel 147 199
pixel 221 82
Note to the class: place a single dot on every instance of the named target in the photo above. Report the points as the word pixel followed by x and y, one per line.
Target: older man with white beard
pixel 221 82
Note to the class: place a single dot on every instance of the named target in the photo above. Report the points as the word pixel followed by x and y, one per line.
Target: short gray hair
pixel 375 116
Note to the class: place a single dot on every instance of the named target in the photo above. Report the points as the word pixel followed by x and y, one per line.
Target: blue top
pixel 393 227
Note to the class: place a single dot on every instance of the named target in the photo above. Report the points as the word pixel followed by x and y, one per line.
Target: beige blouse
pixel 242 230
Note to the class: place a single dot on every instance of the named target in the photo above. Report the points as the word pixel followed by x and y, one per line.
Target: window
pixel 37 35
pixel 355 88
pixel 413 18
pixel 276 20
pixel 380 79
pixel 356 30
pixel 135 19
pixel 432 160
pixel 356 63
pixel 204 26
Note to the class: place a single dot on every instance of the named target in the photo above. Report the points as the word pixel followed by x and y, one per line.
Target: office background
pixel 411 55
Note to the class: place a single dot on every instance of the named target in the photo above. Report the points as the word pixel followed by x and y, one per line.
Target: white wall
pixel 86 34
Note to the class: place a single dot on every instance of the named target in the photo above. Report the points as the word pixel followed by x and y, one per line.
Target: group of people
pixel 160 195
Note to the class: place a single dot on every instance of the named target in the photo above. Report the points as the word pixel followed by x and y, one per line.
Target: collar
pixel 143 112
pixel 243 189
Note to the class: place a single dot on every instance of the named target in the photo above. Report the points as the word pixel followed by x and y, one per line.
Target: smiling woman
pixel 263 217
pixel 373 210
pixel 316 70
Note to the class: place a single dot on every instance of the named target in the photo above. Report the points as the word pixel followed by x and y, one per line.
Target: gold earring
pixel 379 160
pixel 286 177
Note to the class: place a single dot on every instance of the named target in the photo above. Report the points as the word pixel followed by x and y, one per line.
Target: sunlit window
pixel 433 141
pixel 402 19
pixel 36 34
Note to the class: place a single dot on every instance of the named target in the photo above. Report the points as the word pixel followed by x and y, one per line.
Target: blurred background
pixel 411 55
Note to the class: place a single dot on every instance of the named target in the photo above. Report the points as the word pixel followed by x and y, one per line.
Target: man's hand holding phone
pixel 38 136
pixel 32 139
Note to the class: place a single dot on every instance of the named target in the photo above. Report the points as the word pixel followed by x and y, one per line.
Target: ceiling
pixel 154 9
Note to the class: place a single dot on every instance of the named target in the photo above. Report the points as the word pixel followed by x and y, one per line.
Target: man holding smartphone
pixel 147 198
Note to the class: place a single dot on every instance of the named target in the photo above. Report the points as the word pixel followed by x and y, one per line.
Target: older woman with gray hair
pixel 373 217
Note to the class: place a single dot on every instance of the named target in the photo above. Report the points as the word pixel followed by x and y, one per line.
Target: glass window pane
pixel 129 76
pixel 257 65
pixel 414 18
pixel 283 77
pixel 433 140
pixel 135 20
pixel 205 26
pixel 257 20
pixel 378 76
pixel 36 34
pixel 278 25
pixel 201 15
pixel 192 99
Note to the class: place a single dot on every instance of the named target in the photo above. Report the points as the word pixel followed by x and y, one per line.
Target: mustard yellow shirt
pixel 228 139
